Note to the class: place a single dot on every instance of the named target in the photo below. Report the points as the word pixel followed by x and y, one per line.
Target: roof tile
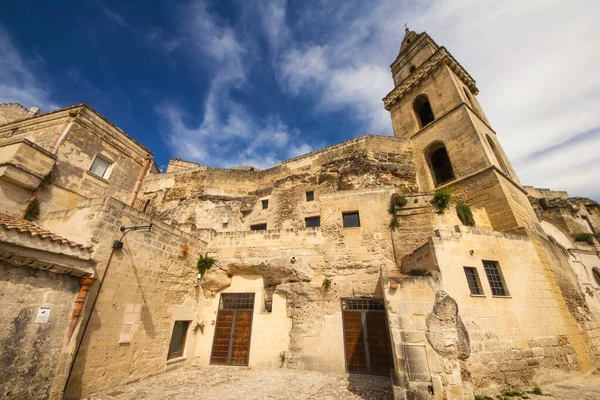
pixel 23 226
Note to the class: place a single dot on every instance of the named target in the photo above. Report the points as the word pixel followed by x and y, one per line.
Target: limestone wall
pixel 14 112
pixel 231 200
pixel 147 287
pixel 28 350
pixel 512 340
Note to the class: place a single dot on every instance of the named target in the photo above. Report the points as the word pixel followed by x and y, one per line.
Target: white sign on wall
pixel 43 315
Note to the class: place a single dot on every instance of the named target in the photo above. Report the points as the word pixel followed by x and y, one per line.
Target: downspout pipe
pixel 138 183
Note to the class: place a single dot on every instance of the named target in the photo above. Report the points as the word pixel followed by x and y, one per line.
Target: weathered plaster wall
pixel 29 351
pixel 14 111
pixel 149 284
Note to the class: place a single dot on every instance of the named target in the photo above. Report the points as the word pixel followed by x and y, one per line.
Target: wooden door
pixel 366 337
pixel 231 342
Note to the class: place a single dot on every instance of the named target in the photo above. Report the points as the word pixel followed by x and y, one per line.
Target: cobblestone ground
pixel 224 383
pixel 228 383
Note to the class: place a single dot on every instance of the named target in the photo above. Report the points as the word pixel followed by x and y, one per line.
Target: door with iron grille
pixel 366 336
pixel 231 343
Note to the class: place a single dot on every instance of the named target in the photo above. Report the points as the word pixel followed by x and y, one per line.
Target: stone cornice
pixel 440 57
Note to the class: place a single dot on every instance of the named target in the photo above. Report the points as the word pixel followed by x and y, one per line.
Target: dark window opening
pixel 412 68
pixel 258 227
pixel 312 222
pixel 473 280
pixel 351 219
pixel 265 204
pixel 177 345
pixel 596 273
pixel 310 196
pixel 441 166
pixel 492 270
pixel 423 110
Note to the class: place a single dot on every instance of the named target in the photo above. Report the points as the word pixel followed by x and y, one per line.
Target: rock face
pixel 446 332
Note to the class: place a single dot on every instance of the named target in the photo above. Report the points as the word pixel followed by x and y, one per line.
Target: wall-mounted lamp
pixel 118 244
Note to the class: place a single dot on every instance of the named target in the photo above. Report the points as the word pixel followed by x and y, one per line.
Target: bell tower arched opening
pixel 439 164
pixel 497 155
pixel 423 111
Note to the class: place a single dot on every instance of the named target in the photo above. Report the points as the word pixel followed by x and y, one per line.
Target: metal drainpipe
pixel 138 183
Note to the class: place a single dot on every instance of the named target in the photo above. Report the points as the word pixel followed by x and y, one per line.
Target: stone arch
pixel 497 154
pixel 557 234
pixel 439 163
pixel 423 111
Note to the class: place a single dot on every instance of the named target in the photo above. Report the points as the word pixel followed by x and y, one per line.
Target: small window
pixel 177 346
pixel 473 280
pixel 492 270
pixel 265 204
pixel 310 196
pixel 100 167
pixel 351 219
pixel 311 222
pixel 412 69
pixel 596 273
pixel 258 227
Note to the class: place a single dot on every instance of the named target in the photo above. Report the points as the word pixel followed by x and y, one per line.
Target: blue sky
pixel 229 83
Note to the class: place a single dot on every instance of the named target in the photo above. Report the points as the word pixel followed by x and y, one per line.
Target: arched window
pixel 471 102
pixel 497 155
pixel 423 111
pixel 439 164
pixel 596 273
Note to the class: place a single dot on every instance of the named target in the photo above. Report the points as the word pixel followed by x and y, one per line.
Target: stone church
pixel 418 256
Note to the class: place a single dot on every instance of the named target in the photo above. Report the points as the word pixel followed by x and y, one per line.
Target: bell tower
pixel 434 104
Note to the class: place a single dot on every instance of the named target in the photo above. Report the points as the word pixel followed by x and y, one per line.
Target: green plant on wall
pixel 394 223
pixel 326 284
pixel 465 214
pixel 583 237
pixel 46 180
pixel 440 200
pixel 199 327
pixel 204 264
pixel 282 358
pixel 32 212
pixel 401 201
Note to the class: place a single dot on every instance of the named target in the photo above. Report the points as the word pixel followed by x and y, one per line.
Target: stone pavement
pixel 224 383
pixel 228 383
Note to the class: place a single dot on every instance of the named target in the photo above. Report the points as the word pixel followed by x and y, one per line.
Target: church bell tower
pixel 434 104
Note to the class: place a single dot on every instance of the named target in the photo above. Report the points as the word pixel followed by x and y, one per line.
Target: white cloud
pixel 229 134
pixel 18 82
pixel 535 63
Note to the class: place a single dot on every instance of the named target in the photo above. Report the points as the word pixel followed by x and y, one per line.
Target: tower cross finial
pixel 406 26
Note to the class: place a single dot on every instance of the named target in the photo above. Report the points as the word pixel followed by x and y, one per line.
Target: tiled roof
pixel 22 225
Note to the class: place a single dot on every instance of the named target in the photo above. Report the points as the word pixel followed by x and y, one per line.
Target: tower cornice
pixel 440 57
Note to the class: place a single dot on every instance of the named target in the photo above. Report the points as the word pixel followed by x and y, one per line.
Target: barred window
pixel 236 301
pixel 473 280
pixel 492 270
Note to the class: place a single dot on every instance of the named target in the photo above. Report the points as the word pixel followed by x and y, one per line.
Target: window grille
pixel 473 280
pixel 236 301
pixel 363 304
pixel 492 270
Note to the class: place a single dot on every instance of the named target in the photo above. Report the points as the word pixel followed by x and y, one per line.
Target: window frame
pixel 596 275
pixel 313 218
pixel 258 227
pixel 477 281
pixel 180 353
pixel 348 213
pixel 265 204
pixel 493 281
pixel 108 169
pixel 310 195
